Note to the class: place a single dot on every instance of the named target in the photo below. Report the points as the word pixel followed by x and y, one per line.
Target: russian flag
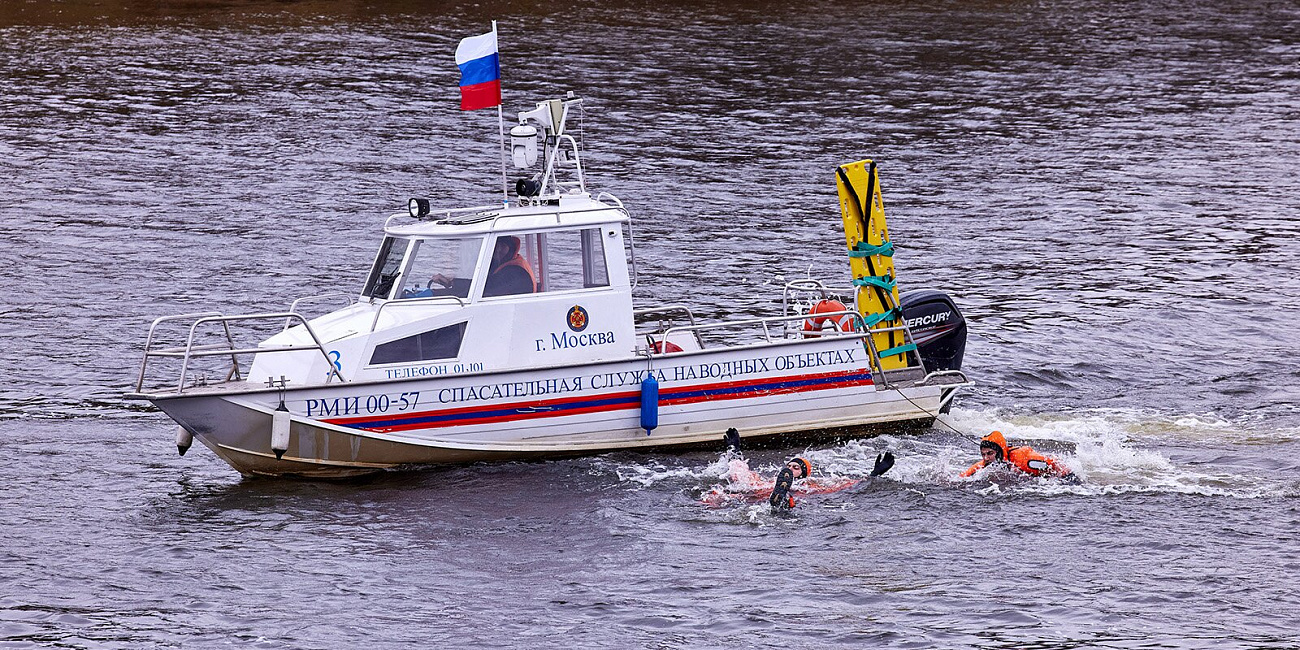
pixel 480 71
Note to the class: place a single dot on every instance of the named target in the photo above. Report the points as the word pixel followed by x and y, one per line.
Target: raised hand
pixel 883 463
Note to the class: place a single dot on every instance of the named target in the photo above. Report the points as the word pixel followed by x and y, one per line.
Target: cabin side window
pixel 442 343
pixel 594 273
pixel 563 260
pixel 388 266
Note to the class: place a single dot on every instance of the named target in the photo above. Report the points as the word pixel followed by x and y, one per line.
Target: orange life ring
pixel 841 323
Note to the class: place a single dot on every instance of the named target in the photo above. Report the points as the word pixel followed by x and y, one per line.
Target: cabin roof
pixel 571 211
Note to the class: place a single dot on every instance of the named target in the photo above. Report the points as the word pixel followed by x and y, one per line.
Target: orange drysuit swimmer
pixel 993 449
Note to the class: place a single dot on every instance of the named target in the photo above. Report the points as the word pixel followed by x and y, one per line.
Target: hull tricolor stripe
pixel 625 400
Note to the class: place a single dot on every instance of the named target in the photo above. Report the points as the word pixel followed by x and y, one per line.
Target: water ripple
pixel 1107 189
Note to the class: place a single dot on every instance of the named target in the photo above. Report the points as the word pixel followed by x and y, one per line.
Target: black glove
pixel 781 499
pixel 732 438
pixel 883 463
pixel 1072 479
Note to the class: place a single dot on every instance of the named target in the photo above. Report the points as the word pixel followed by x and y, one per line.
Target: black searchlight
pixel 418 207
pixel 526 187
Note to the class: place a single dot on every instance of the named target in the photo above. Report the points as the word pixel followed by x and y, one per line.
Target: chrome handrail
pixel 773 319
pixel 148 342
pixel 410 301
pixel 446 212
pixel 352 300
pixel 631 236
pixel 814 285
pixel 860 331
pixel 224 320
pixel 666 309
pixel 938 374
pixel 810 285
pixel 215 350
pixel 802 284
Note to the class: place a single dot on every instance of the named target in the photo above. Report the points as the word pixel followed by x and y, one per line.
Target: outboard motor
pixel 937 327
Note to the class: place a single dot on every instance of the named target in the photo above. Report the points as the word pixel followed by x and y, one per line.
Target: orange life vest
pixel 519 261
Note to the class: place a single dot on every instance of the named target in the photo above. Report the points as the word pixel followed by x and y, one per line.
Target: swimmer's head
pixel 993 447
pixel 800 466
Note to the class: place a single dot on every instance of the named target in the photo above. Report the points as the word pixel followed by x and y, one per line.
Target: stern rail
pixel 665 309
pixel 860 331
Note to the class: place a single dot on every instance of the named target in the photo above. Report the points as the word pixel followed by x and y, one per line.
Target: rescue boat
pixel 510 332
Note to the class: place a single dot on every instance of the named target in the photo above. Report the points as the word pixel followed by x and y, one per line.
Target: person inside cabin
pixel 508 274
pixel 994 450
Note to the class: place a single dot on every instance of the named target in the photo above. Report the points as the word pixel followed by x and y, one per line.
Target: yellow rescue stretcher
pixel 871 258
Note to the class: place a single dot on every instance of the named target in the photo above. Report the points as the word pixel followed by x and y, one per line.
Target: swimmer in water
pixel 994 450
pixel 745 483
pixel 795 468
pixel 799 468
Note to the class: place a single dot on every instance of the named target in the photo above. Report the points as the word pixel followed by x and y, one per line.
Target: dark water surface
pixel 1109 190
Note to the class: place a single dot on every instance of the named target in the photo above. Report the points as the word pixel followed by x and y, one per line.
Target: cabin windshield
pixel 441 267
pixel 388 266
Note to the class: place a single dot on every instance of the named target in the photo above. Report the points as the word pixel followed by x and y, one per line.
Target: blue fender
pixel 649 403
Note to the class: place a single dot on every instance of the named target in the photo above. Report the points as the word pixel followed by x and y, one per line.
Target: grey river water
pixel 1109 189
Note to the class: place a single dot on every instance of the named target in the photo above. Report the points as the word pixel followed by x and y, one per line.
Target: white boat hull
pixel 814 388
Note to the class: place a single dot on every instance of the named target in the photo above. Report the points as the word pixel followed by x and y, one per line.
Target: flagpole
pixel 501 127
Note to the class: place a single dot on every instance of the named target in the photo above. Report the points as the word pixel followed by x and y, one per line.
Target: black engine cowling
pixel 937 327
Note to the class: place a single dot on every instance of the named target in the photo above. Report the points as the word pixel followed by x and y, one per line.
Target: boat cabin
pixel 514 287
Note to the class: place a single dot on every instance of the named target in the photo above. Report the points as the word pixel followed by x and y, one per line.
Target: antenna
pixel 501 132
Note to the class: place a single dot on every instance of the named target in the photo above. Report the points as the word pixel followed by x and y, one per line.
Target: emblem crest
pixel 578 318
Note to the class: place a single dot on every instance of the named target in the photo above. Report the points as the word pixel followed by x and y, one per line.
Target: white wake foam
pixel 1114 451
